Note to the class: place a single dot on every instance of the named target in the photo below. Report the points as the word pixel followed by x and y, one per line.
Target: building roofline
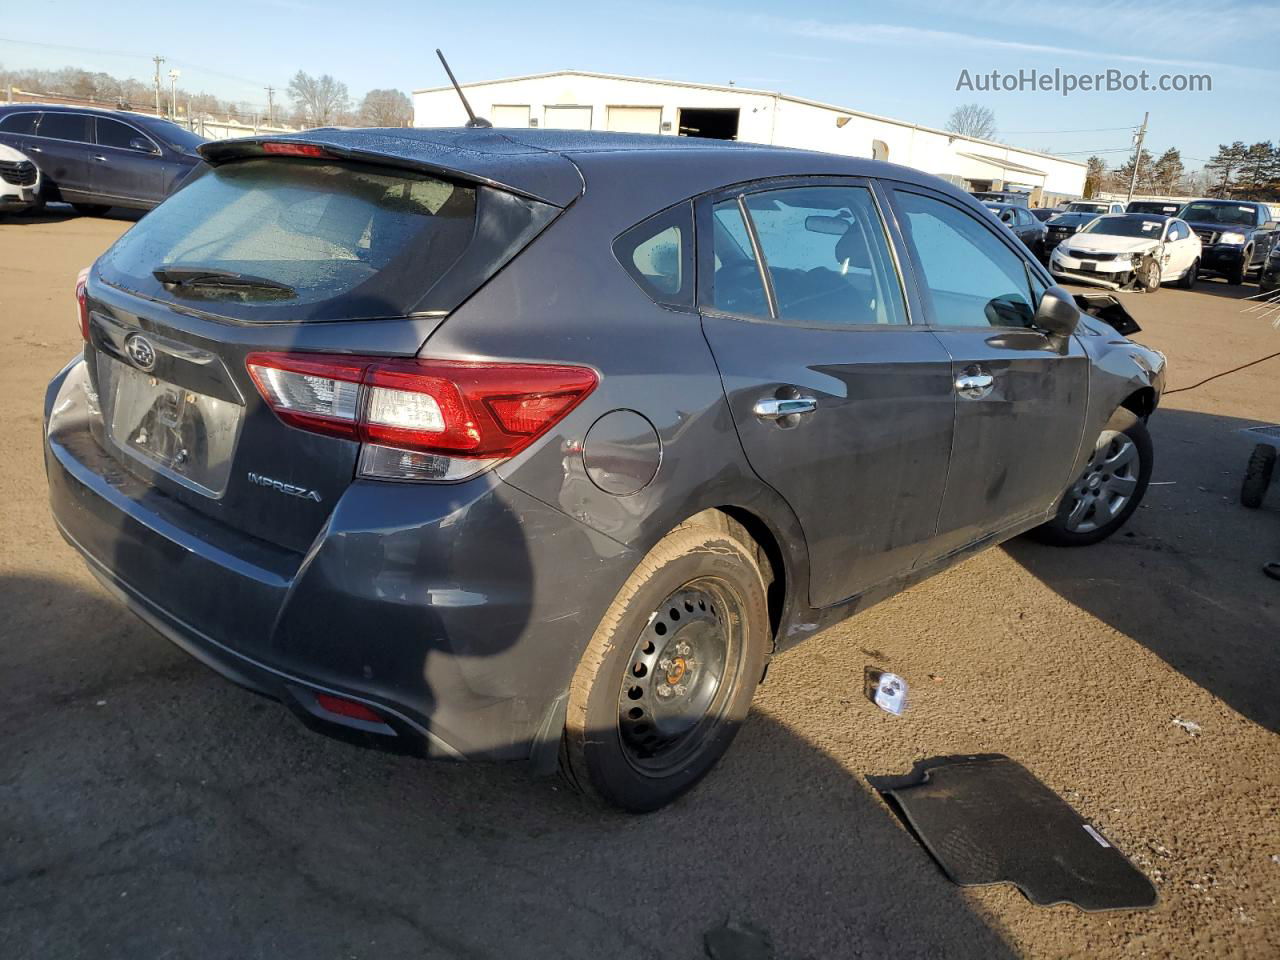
pixel 776 94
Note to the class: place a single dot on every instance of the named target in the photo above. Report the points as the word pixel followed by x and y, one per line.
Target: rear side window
pixel 64 126
pixel 736 286
pixel 972 277
pixel 22 123
pixel 348 241
pixel 658 254
pixel 827 255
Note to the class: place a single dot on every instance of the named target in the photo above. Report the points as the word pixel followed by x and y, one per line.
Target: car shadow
pixel 152 808
pixel 60 212
pixel 1191 550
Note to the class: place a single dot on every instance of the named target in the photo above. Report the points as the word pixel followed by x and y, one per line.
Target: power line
pixel 133 55
pixel 1088 130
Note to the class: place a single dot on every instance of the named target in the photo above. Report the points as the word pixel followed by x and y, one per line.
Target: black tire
pixel 1149 275
pixel 1257 475
pixel 602 753
pixel 1189 279
pixel 1238 273
pixel 1068 530
pixel 91 209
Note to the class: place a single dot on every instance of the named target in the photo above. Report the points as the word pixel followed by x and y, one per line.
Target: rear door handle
pixel 100 158
pixel 34 149
pixel 974 385
pixel 771 408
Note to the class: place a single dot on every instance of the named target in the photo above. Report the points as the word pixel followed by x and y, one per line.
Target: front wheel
pixel 1108 490
pixel 668 677
pixel 1238 272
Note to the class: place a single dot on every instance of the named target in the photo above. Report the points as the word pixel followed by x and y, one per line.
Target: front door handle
pixel 34 149
pixel 100 158
pixel 973 384
pixel 772 408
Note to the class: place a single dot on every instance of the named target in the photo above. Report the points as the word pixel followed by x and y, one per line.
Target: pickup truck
pixel 1237 235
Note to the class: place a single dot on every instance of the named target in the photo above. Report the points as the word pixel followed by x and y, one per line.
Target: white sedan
pixel 1130 251
pixel 19 181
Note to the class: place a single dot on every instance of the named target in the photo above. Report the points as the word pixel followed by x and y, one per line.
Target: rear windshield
pixel 1087 208
pixel 347 241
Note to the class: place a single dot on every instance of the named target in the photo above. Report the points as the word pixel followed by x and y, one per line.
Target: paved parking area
pixel 149 808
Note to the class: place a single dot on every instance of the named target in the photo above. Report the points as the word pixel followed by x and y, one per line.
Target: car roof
pixel 142 119
pixel 556 165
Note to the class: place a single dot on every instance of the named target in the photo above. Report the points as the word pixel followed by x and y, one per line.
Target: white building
pixel 571 99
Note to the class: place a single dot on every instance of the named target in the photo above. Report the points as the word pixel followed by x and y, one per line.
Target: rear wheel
pixel 1257 475
pixel 668 677
pixel 91 209
pixel 1109 488
pixel 1189 278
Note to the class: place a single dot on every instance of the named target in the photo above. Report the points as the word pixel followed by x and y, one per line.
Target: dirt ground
pixel 149 808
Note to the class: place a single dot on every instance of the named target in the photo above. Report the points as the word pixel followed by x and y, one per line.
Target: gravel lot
pixel 149 808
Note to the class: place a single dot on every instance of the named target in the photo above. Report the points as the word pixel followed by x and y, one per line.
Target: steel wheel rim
pixel 1107 484
pixel 682 671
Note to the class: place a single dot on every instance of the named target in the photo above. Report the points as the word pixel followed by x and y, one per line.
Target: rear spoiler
pixel 482 157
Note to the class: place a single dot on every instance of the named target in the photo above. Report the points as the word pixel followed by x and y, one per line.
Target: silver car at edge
pixel 536 445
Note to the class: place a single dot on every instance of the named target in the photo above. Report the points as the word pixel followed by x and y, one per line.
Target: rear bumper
pixel 457 612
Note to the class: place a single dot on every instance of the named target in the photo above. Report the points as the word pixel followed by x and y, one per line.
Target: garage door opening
pixel 716 124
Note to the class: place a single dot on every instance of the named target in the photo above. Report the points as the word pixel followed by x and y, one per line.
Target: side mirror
pixel 1057 314
pixel 143 145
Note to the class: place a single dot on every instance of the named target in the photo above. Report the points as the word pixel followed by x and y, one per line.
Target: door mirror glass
pixel 1057 314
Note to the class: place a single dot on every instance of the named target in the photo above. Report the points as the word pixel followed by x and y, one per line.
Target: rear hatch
pixel 296 251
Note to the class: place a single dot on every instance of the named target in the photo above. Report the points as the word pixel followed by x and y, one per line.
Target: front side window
pixel 972 278
pixel 113 133
pixel 64 126
pixel 658 254
pixel 827 256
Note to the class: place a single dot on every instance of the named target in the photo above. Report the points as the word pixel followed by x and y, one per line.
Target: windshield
pixel 180 138
pixel 360 240
pixel 1127 227
pixel 1232 213
pixel 1086 208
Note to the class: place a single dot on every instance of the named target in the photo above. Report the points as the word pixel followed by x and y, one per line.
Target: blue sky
pixel 901 61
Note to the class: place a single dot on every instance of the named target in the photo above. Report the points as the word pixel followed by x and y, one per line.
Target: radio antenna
pixel 473 120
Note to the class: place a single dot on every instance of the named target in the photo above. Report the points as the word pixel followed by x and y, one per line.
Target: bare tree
pixel 319 99
pixel 386 108
pixel 972 120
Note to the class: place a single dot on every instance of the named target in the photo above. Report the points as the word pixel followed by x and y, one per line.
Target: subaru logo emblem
pixel 140 351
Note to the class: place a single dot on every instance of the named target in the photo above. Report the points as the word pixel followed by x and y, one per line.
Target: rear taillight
pixel 82 302
pixel 421 419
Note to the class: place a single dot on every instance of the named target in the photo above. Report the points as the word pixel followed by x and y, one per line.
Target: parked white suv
pixel 19 181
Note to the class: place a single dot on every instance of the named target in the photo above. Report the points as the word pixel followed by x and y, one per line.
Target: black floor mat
pixel 986 819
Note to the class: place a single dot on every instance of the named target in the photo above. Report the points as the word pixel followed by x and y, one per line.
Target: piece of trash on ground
pixel 1190 726
pixel 888 691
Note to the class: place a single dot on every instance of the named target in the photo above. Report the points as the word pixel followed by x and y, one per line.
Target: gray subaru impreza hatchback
pixel 534 445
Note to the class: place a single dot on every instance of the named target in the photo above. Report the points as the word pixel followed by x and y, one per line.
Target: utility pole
pixel 158 61
pixel 1137 156
pixel 173 93
pixel 271 93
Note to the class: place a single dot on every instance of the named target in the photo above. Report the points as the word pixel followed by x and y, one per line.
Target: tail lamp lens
pixel 421 419
pixel 82 302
